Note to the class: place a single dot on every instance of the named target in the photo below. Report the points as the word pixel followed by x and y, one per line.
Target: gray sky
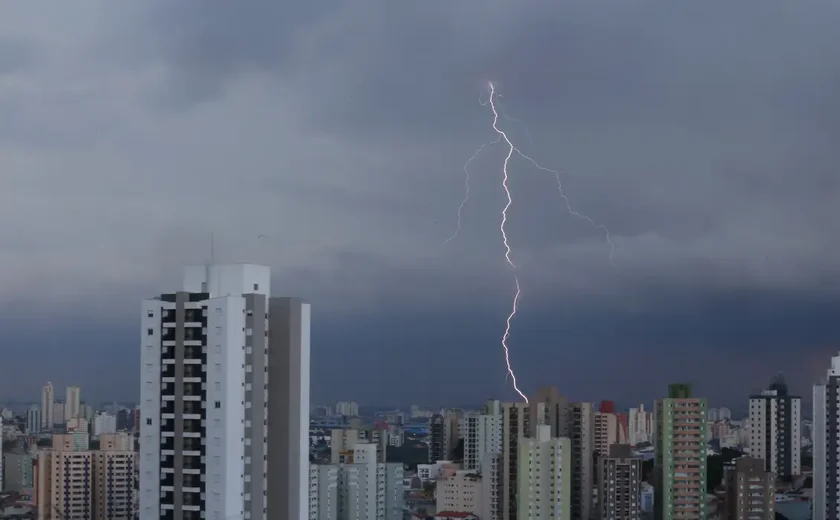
pixel 703 135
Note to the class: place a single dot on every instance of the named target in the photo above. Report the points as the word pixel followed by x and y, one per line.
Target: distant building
pixel 47 407
pixel 34 420
pixel 437 443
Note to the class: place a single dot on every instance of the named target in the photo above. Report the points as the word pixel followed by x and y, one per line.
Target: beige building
pixel 750 493
pixel 606 432
pixel 72 483
pixel 461 493
pixel 545 477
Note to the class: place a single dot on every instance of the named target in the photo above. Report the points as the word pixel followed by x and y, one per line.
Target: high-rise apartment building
pixel 452 431
pixel 115 464
pixel 73 482
pixel 680 456
pixel 640 425
pixel 620 484
pixel 482 435
pixel 359 489
pixel 775 436
pixel 347 408
pixel 47 407
pixel 437 442
pixel 575 421
pixel 58 413
pixel 205 410
pixel 491 485
pixel 581 432
pixel 825 504
pixel 33 420
pixel 73 403
pixel 605 432
pixel 544 476
pixel 750 491
pixel 516 426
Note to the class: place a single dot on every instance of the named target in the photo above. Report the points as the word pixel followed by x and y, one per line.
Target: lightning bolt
pixel 467 186
pixel 512 149
pixel 502 225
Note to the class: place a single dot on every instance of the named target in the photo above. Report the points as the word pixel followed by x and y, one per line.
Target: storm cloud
pixel 702 135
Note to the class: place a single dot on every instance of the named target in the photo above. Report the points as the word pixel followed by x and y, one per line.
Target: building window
pixel 151 314
pixel 256 287
pixel 218 404
pixel 150 332
pixel 149 422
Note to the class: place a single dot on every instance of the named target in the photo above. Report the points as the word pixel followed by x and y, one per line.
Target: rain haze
pixel 703 135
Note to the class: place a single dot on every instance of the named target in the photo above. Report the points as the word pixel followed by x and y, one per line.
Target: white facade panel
pixel 150 381
pixel 225 464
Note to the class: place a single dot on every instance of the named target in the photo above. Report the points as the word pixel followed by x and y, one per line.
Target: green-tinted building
pixel 680 466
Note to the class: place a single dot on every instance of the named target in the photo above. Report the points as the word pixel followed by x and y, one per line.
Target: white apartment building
pixel 460 492
pixel 33 420
pixel 482 436
pixel 825 504
pixel 73 403
pixel 104 423
pixel 491 484
pixel 639 426
pixel 58 413
pixel 347 408
pixel 362 488
pixel 323 491
pixel 775 435
pixel 545 483
pixel 47 406
pixel 205 409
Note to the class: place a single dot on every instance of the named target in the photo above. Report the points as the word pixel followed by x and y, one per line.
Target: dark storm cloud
pixel 703 135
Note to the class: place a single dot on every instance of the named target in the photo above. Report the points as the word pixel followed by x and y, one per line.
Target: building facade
pixel 680 456
pixel 544 477
pixel 205 412
pixel 826 455
pixel 775 436
pixel 47 407
pixel 620 484
pixel 750 491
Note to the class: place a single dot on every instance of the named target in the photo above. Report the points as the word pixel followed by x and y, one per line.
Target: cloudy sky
pixel 703 135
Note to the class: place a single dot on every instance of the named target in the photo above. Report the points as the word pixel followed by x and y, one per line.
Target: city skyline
pixel 340 166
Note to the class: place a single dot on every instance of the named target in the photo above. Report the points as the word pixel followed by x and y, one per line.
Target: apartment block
pixel 544 477
pixel 750 491
pixel 211 355
pixel 680 455
pixel 825 504
pixel 620 484
pixel 460 492
pixel 482 436
pixel 775 436
pixel 360 489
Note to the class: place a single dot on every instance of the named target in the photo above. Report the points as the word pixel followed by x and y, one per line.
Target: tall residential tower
pixel 775 437
pixel 205 408
pixel 680 455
